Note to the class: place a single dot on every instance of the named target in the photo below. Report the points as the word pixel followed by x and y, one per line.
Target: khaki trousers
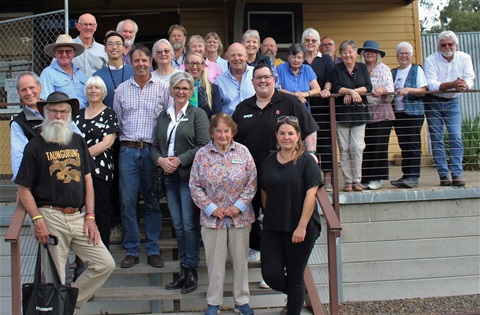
pixel 218 243
pixel 99 262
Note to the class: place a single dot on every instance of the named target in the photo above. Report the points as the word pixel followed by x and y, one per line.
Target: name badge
pixel 248 116
pixel 237 161
pixel 184 119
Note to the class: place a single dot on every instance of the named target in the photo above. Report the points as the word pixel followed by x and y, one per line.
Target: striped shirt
pixel 138 108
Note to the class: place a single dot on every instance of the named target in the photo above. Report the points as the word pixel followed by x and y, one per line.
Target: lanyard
pixel 111 75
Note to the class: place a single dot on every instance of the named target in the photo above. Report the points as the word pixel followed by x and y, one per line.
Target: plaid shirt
pixel 138 108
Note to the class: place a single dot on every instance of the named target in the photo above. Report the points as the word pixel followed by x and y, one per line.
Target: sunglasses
pixel 287 118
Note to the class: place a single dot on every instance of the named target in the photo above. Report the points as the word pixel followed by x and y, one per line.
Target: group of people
pixel 235 140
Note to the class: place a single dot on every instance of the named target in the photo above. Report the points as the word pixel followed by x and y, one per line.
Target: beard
pixel 327 52
pixel 129 42
pixel 178 45
pixel 57 131
pixel 447 53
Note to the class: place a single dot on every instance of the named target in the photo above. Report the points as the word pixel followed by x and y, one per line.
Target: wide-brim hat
pixel 64 40
pixel 372 45
pixel 60 97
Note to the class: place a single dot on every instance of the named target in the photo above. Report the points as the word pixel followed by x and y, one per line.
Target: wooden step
pixel 158 292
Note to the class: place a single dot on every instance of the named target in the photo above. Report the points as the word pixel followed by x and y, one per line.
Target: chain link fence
pixel 21 50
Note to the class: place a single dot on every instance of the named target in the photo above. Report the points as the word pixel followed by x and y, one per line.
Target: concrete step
pixel 146 293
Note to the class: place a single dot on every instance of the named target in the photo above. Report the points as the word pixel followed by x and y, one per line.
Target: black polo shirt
pixel 256 127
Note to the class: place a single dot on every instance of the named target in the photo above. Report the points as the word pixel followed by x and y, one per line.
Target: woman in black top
pixel 349 79
pixel 290 179
pixel 99 126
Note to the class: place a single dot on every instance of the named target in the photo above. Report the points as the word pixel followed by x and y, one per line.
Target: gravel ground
pixel 464 304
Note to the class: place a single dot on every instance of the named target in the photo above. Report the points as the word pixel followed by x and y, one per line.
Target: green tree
pixel 459 16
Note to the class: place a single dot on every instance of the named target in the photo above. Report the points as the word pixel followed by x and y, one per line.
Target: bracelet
pixel 90 216
pixel 326 88
pixel 311 152
pixel 308 94
pixel 35 218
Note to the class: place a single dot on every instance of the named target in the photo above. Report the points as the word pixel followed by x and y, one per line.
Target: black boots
pixel 191 279
pixel 177 284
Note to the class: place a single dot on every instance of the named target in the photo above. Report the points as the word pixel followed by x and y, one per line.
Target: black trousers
pixel 283 263
pixel 375 155
pixel 409 129
pixel 256 231
pixel 104 205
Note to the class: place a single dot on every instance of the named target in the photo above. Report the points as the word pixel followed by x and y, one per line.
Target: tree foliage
pixel 459 16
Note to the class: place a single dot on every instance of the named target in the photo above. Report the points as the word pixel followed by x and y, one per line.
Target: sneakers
pixel 253 255
pixel 244 309
pixel 375 184
pixel 328 187
pixel 212 310
pixel 263 285
pixel 409 182
pixel 116 235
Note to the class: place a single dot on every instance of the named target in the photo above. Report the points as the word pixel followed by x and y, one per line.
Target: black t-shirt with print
pixel 55 173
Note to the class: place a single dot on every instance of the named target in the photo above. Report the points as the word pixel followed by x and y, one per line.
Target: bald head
pixel 237 58
pixel 269 47
pixel 86 26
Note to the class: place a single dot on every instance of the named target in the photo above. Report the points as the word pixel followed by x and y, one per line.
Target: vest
pixel 413 104
pixel 31 126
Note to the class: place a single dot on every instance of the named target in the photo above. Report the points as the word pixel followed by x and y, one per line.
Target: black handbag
pixel 48 298
pixel 158 188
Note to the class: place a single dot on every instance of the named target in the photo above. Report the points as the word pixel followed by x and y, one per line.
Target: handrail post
pixel 13 236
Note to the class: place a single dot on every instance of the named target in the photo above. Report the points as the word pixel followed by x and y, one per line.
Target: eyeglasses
pixel 404 54
pixel 369 51
pixel 359 104
pixel 88 24
pixel 164 52
pixel 443 45
pixel 63 112
pixel 327 44
pixel 264 77
pixel 181 89
pixel 111 44
pixel 287 118
pixel 194 64
pixel 64 51
pixel 308 40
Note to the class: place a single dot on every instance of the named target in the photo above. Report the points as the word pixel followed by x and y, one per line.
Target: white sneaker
pixel 375 184
pixel 253 256
pixel 116 235
pixel 263 285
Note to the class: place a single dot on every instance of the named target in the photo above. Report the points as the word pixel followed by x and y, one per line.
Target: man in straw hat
pixel 62 75
pixel 54 183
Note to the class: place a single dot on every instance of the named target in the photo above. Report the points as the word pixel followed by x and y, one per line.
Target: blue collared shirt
pixel 54 78
pixel 233 92
pixel 93 58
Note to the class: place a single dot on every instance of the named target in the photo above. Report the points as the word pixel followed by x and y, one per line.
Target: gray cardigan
pixel 191 134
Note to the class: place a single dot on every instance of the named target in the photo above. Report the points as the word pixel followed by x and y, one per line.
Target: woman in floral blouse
pixel 223 182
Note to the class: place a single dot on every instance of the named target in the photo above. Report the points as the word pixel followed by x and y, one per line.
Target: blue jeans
pixel 441 113
pixel 186 219
pixel 137 171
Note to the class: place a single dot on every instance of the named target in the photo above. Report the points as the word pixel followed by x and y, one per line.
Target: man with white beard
pixel 128 29
pixel 177 35
pixel 54 183
pixel 447 70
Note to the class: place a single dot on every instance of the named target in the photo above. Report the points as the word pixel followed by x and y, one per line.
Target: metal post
pixel 66 17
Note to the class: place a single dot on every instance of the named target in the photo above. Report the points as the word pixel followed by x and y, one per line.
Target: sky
pixel 424 13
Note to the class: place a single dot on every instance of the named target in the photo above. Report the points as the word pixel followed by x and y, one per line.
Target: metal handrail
pixel 13 237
